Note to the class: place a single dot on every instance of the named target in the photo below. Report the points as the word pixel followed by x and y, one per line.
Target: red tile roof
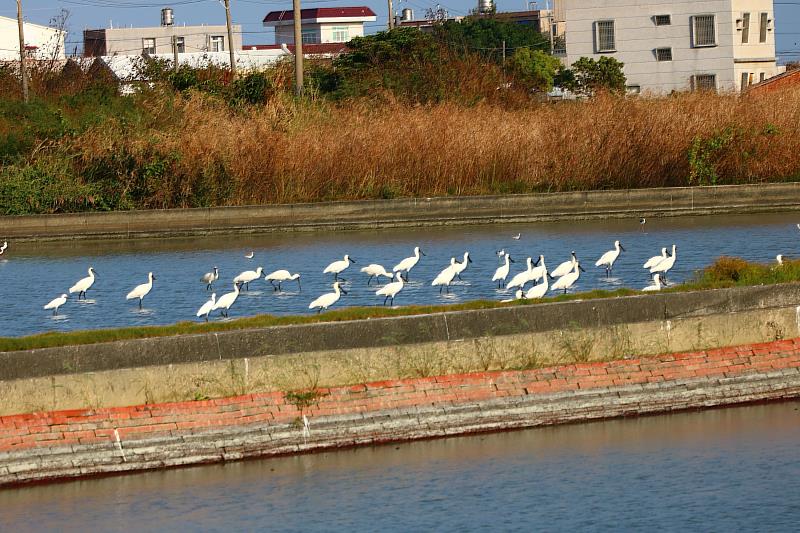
pixel 320 12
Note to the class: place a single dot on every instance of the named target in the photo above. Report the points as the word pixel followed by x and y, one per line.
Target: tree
pixel 535 69
pixel 587 76
pixel 487 34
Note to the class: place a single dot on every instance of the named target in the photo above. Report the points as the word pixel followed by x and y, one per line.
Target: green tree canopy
pixel 587 76
pixel 534 69
pixel 486 35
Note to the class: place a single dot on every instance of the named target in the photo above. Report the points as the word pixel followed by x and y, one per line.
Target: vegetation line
pixel 725 272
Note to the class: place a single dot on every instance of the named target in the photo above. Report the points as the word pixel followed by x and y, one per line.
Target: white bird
pixel 537 291
pixel 517 236
pixel 540 271
pixel 779 259
pixel 140 291
pixel 517 296
pixel 210 277
pixel 566 267
pixel 446 276
pixel 375 270
pixel 666 265
pixel 607 259
pixel 642 222
pixel 462 266
pixel 568 280
pixel 521 278
pixel 408 263
pixel 656 259
pixel 337 267
pixel 55 304
pixel 247 276
pixel 226 301
pixel 3 248
pixel 501 273
pixel 328 299
pixel 798 226
pixel 250 255
pixel 656 286
pixel 83 284
pixel 500 254
pixel 280 276
pixel 390 290
pixel 207 307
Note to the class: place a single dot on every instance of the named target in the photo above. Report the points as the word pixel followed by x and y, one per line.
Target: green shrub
pixel 43 187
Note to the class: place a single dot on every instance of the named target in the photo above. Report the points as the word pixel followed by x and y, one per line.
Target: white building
pixel 41 42
pixel 669 45
pixel 321 24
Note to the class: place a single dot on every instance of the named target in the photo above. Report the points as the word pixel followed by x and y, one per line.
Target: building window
pixel 340 34
pixel 745 28
pixel 663 54
pixel 704 82
pixel 217 43
pixel 764 22
pixel 605 37
pixel 662 20
pixel 745 80
pixel 762 77
pixel 704 32
pixel 149 45
pixel 310 36
pixel 180 44
pixel 633 89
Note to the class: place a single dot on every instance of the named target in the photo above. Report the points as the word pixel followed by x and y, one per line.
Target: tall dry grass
pixel 287 152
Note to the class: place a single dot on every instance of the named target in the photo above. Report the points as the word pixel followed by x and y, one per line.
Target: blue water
pixel 32 274
pixel 725 470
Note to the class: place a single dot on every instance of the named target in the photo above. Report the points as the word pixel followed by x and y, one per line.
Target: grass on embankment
pixel 725 272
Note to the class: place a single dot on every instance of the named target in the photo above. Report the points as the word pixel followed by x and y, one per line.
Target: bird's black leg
pixel 140 303
pixel 369 279
pixel 385 300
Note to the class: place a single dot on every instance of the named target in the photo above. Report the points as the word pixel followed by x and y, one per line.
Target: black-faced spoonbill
pixel 247 276
pixel 337 267
pixel 446 276
pixel 656 286
pixel 565 268
pixel 568 280
pixel 501 273
pixel 462 266
pixel 375 270
pixel 390 290
pixel 779 259
pixel 537 291
pixel 83 284
pixel 140 291
pixel 607 259
pixel 280 276
pixel 540 271
pixel 656 259
pixel 666 265
pixel 210 277
pixel 517 296
pixel 207 307
pixel 520 279
pixel 56 303
pixel 328 299
pixel 409 262
pixel 226 301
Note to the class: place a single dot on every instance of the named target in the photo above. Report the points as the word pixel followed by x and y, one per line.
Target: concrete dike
pixel 374 214
pixel 67 412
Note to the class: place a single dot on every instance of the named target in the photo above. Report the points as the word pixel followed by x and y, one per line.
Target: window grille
pixel 606 41
pixel 745 27
pixel 663 20
pixel 663 54
pixel 704 31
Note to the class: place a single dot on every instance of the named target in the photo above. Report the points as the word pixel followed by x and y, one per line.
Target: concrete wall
pixel 129 41
pixel 675 201
pixel 49 41
pixel 328 354
pixel 45 446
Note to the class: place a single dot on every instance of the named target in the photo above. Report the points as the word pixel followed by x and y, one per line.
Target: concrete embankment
pixel 374 214
pixel 285 358
pixel 45 446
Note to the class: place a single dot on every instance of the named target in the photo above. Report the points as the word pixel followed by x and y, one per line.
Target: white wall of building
pixel 637 36
pixel 321 32
pixel 49 42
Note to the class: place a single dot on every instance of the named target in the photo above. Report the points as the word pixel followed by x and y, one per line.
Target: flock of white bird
pixel 563 277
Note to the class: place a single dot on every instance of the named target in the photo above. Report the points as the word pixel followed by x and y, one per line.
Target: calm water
pixel 723 470
pixel 33 274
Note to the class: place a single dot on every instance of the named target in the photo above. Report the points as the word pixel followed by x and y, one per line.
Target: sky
pixel 85 14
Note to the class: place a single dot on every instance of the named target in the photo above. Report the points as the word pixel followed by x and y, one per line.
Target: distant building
pixel 674 45
pixel 41 42
pixel 786 80
pixel 320 25
pixel 159 39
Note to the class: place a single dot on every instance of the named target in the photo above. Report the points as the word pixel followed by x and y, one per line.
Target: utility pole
pixel 391 16
pixel 504 53
pixel 230 38
pixel 175 53
pixel 298 49
pixel 23 72
pixel 552 32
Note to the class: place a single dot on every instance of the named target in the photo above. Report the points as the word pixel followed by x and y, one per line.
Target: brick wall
pixel 83 442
